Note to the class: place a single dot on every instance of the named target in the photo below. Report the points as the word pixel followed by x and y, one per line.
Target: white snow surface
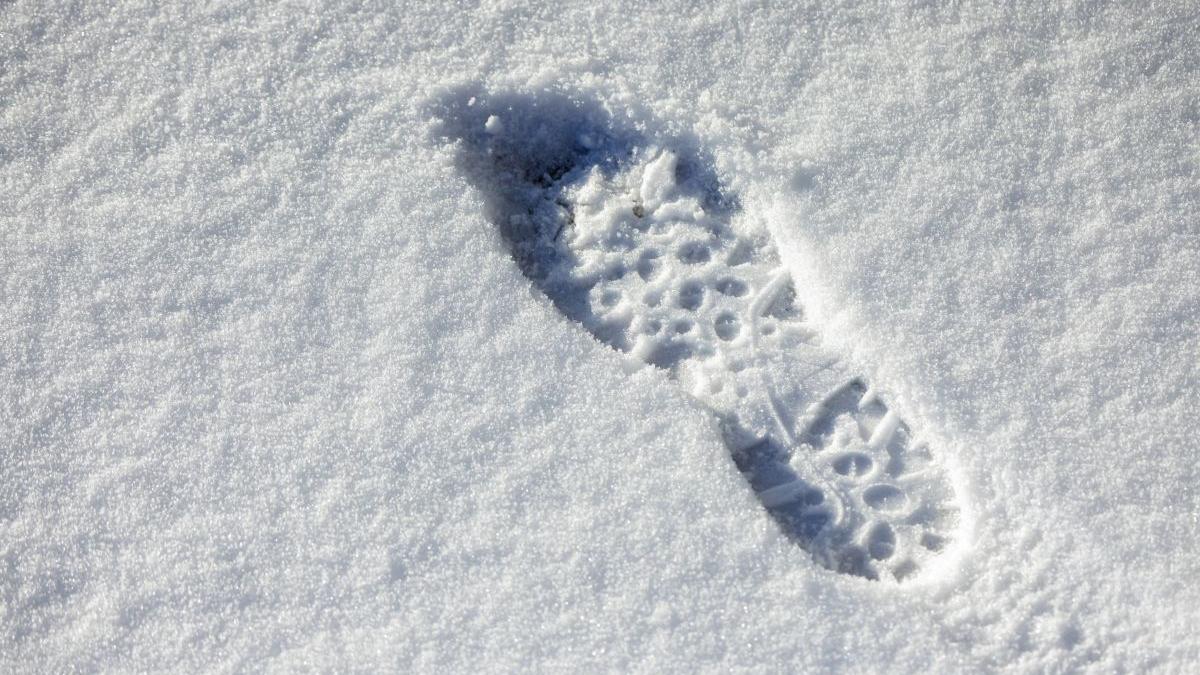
pixel 273 394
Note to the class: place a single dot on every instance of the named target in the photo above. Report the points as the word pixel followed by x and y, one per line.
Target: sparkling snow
pixel 274 395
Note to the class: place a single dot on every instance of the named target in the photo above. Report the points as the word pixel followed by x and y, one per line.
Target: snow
pixel 273 394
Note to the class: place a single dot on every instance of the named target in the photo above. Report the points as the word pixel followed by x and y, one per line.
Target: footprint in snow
pixel 633 239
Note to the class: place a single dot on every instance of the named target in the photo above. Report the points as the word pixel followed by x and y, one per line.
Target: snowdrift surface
pixel 273 393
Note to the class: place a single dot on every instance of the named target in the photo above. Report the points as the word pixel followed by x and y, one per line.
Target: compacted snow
pixel 287 382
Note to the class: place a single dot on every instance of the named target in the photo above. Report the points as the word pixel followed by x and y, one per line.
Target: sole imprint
pixel 635 240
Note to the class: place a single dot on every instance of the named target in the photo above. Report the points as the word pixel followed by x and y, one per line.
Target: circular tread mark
pixel 727 326
pixel 691 296
pixel 694 253
pixel 648 265
pixel 732 286
pixel 884 497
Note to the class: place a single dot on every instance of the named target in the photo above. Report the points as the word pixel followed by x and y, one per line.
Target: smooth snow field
pixel 586 336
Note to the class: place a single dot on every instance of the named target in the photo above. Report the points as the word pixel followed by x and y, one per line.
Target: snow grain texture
pixel 272 393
